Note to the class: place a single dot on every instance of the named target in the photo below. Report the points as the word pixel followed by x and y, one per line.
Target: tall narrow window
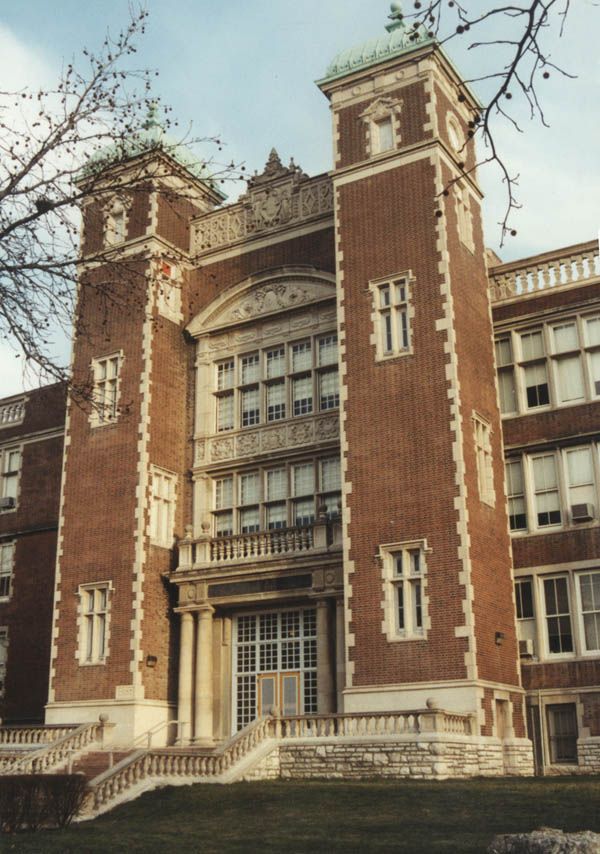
pixel 580 475
pixel 562 733
pixel 225 413
pixel 276 401
pixel 94 618
pixel 162 509
pixel 383 138
pixel 10 465
pixel 546 491
pixel 483 451
pixel 589 594
pixel 250 407
pixel 524 598
pixel 391 317
pixel 517 513
pixel 407 587
pixel 7 561
pixel 329 393
pixel 506 376
pixel 106 389
pixel 302 395
pixel 558 615
pixel 569 371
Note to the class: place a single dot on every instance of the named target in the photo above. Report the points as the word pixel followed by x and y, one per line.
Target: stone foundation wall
pixel 425 758
pixel 588 751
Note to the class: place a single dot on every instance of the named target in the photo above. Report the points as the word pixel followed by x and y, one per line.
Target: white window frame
pixel 90 621
pixel 406 581
pixel 482 436
pixel 557 656
pixel 392 318
pixel 382 110
pixel 116 211
pixel 286 503
pixel 583 651
pixel 233 384
pixel 103 413
pixel 7 568
pixel 586 350
pixel 10 475
pixel 162 507
pixel 563 488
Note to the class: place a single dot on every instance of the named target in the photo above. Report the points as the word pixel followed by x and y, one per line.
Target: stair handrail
pixel 178 761
pixel 59 751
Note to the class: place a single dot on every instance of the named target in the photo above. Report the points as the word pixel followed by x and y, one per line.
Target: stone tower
pixel 427 561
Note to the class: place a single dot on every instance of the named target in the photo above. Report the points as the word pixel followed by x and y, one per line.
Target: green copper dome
pixel 152 137
pixel 400 38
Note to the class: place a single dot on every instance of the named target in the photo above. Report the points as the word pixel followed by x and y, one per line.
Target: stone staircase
pixel 95 763
pixel 47 750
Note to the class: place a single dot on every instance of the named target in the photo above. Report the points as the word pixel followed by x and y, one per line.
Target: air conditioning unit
pixel 7 503
pixel 526 648
pixel 582 512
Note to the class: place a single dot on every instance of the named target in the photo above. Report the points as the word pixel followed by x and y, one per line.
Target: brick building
pixel 290 490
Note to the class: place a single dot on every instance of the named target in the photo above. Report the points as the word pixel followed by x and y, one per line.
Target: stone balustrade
pixel 204 551
pixel 60 751
pixel 198 763
pixel 12 413
pixel 261 544
pixel 32 735
pixel 573 265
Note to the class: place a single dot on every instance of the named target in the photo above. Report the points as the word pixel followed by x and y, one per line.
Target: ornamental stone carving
pixel 276 297
pixel 285 197
pixel 269 439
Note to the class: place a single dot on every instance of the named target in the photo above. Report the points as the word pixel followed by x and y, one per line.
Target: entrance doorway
pixel 279 691
pixel 274 664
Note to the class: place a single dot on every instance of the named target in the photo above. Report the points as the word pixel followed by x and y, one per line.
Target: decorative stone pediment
pixel 262 295
pixel 381 108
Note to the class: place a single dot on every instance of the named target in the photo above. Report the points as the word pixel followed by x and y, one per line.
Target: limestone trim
pixel 277 290
pixel 392 583
pixel 348 564
pixel 142 499
pixel 285 201
pixel 447 325
pixel 378 111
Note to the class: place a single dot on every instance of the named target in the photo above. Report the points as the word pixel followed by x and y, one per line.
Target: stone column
pixel 325 688
pixel 203 720
pixel 186 644
pixel 340 653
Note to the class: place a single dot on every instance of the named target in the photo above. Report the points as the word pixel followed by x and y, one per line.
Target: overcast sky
pixel 245 71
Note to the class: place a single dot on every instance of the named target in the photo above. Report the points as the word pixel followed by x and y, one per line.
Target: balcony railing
pixel 261 544
pixel 574 265
pixel 12 413
pixel 278 542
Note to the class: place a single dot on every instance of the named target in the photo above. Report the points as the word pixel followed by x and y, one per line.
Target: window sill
pixel 93 663
pixel 405 638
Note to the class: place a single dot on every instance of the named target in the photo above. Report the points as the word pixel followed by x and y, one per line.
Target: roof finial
pixel 396 16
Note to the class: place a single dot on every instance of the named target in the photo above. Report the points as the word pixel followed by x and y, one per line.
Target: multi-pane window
pixel 278 497
pixel 405 573
pixel 517 512
pixel 3 658
pixel 162 507
pixel 589 597
pixel 554 364
pixel 391 317
pixel 558 615
pixel 547 503
pixel 524 599
pixel 7 562
pixel 105 395
pixel 10 466
pixel 483 452
pixel 94 624
pixel 555 488
pixel 287 380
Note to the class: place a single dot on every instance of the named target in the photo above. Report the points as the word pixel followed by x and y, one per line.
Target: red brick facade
pixel 201 500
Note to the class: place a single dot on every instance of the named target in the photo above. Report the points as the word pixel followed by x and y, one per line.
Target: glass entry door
pixel 279 691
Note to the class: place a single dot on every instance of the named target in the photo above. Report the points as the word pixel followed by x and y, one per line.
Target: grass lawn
pixel 457 817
